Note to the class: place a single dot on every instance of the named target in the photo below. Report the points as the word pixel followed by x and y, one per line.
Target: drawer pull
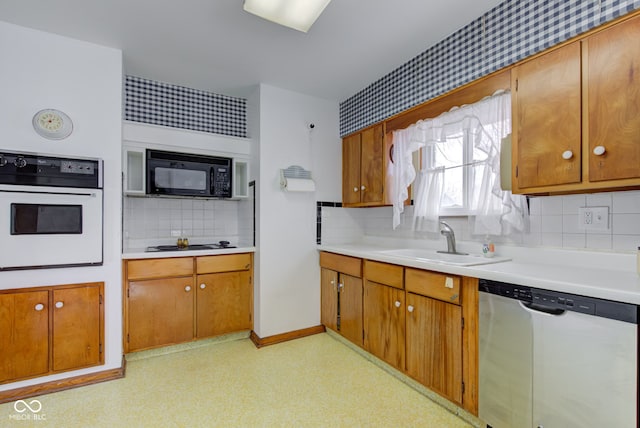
pixel 203 286
pixel 187 288
pixel 39 307
pixel 59 305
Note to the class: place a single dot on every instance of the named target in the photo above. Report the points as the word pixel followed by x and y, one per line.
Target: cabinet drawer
pixel 159 268
pixel 223 263
pixel 344 264
pixel 432 284
pixel 384 273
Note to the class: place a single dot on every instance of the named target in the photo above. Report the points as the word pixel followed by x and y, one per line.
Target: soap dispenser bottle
pixel 488 249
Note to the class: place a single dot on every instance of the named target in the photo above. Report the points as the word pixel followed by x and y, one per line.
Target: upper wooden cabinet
pixel 363 168
pixel 612 76
pixel 576 115
pixel 546 119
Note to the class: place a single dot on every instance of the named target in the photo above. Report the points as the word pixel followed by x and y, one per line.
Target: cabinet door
pixel 223 303
pixel 160 312
pixel 384 323
pixel 547 119
pixel 76 327
pixel 350 308
pixel 613 82
pixel 24 335
pixel 434 345
pixel 329 298
pixel 351 149
pixel 371 166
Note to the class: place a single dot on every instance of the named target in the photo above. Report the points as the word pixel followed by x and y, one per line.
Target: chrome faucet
pixel 447 231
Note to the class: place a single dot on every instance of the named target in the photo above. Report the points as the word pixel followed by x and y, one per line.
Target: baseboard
pixel 62 384
pixel 279 338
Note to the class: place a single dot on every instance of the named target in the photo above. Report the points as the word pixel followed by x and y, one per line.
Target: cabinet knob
pixel 39 307
pixel 187 288
pixel 599 150
pixel 410 308
pixel 340 286
pixel 363 188
pixel 355 189
pixel 203 286
pixel 568 154
pixel 397 303
pixel 59 304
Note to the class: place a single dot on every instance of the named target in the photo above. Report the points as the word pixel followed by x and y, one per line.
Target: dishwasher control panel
pixel 558 301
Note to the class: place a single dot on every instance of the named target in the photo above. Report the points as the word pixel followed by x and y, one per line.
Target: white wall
pixel 41 70
pixel 287 292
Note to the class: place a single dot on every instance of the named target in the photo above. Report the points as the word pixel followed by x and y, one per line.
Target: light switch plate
pixel 593 218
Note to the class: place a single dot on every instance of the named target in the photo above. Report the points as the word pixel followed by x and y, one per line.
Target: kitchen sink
pixel 433 256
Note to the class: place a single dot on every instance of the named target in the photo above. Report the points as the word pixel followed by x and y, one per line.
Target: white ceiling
pixel 214 45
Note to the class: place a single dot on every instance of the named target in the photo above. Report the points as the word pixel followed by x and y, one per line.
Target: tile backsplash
pixel 154 221
pixel 553 223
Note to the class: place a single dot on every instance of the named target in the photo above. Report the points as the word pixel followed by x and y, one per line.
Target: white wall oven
pixel 51 211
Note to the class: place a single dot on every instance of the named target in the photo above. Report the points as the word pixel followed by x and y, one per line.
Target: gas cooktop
pixel 194 247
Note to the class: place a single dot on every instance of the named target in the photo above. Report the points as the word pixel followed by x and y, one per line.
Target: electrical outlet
pixel 593 218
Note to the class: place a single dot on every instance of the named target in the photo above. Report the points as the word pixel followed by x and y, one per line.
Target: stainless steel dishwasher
pixel 556 360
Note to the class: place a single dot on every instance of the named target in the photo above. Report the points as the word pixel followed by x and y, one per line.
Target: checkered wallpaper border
pixel 511 31
pixel 159 103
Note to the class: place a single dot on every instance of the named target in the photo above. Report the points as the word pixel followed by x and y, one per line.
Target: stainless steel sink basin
pixel 444 258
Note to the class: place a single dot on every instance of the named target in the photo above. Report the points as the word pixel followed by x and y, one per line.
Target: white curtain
pixel 400 171
pixel 481 127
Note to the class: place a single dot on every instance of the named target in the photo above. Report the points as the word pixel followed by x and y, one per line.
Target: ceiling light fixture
pixel 297 14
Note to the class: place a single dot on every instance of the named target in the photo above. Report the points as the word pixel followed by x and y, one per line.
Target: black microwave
pixel 182 174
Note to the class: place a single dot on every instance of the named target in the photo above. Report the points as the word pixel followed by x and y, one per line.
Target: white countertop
pixel 604 275
pixel 140 253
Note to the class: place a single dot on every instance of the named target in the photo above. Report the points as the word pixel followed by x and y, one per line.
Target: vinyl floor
pixel 315 381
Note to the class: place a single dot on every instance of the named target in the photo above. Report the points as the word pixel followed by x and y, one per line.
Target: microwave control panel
pixel 221 181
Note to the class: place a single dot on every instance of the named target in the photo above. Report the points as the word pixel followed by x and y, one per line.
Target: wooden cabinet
pixel 434 345
pixel 421 322
pixel 176 300
pixel 160 312
pixel 24 334
pixel 434 332
pixel 384 312
pixel 341 295
pixel 77 320
pixel 364 167
pixel 50 329
pixel 612 76
pixel 546 119
pixel 224 294
pixel 576 115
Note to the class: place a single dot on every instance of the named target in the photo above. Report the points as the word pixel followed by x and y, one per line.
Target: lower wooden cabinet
pixel 423 323
pixel 176 300
pixel 160 312
pixel 434 345
pixel 384 312
pixel 341 295
pixel 50 329
pixel 223 302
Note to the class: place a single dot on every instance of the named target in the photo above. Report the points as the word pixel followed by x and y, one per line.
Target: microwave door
pixel 45 227
pixel 181 181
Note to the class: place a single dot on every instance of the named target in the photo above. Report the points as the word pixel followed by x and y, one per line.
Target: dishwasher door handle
pixel 535 307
